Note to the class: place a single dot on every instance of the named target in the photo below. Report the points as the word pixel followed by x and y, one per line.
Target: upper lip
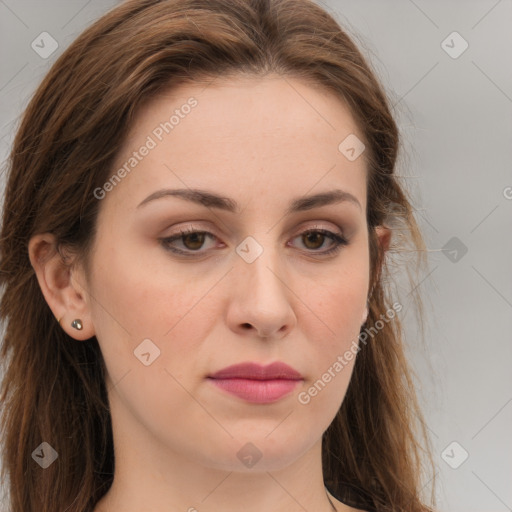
pixel 255 371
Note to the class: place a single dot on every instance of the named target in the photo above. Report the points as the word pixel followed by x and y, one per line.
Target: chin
pixel 245 453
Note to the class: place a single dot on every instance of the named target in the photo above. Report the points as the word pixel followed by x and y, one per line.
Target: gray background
pixel 455 116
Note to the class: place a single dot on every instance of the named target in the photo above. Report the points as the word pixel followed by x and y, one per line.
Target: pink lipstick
pixel 257 384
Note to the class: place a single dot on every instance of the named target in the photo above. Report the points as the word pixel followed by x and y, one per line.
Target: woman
pixel 199 214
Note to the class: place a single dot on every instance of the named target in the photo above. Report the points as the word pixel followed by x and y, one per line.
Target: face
pixel 264 275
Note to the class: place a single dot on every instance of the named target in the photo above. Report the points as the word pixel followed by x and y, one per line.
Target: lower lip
pixel 257 391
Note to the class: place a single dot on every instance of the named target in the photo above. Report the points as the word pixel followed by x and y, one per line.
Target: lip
pixel 255 371
pixel 256 383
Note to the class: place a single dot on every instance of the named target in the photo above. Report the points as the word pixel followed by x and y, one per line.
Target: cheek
pixel 332 357
pixel 341 312
pixel 149 333
pixel 339 303
pixel 133 304
pixel 340 299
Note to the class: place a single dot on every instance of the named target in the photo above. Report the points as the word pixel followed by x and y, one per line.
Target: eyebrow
pixel 211 200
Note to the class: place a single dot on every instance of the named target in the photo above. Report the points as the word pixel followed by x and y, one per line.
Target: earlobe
pixel 57 281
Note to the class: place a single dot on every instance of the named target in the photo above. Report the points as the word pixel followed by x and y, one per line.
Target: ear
pixel 384 239
pixel 384 236
pixel 61 285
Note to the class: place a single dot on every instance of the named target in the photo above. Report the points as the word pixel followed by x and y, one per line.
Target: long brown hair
pixel 376 449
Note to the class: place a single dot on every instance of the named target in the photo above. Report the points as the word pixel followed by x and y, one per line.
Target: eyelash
pixel 339 241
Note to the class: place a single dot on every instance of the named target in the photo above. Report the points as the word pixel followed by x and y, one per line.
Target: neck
pixel 176 483
pixel 149 476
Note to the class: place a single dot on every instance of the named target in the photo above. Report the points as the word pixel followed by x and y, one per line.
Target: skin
pixel 261 142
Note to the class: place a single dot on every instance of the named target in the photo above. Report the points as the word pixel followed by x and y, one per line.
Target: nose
pixel 260 296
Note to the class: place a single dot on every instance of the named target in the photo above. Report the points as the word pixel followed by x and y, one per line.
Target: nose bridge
pixel 261 266
pixel 260 292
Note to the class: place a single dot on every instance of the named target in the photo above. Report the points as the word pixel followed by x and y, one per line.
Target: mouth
pixel 257 384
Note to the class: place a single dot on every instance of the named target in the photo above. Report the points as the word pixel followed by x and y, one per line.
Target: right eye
pixel 192 239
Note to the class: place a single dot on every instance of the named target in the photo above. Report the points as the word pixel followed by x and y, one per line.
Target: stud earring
pixel 77 324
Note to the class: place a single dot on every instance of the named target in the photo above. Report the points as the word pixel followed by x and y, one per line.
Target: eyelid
pixel 303 227
pixel 337 238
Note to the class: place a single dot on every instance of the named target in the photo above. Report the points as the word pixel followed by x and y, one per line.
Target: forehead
pixel 230 107
pixel 245 136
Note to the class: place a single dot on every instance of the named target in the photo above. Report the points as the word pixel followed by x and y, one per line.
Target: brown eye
pixel 191 240
pixel 314 239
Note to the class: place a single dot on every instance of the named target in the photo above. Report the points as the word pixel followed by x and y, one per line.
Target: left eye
pixel 313 236
pixel 193 240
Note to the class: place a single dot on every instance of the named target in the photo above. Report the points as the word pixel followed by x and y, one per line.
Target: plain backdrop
pixel 446 68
